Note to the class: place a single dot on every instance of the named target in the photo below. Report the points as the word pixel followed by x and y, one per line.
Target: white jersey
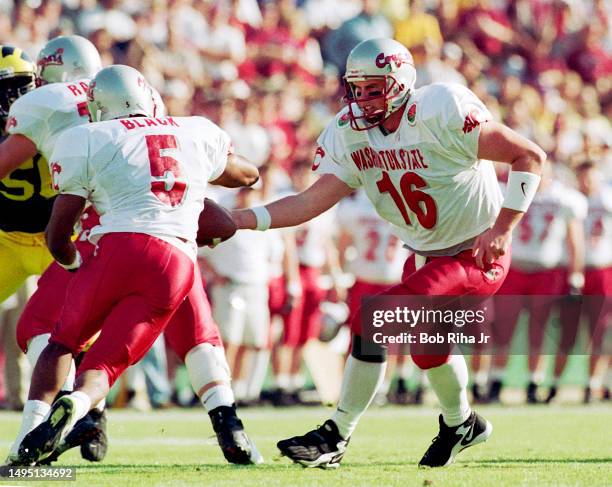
pixel 380 255
pixel 44 113
pixel 277 253
pixel 598 230
pixel 425 178
pixel 243 258
pixel 539 240
pixel 144 175
pixel 312 237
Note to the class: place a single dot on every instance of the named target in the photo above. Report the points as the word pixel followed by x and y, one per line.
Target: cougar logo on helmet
pixel 397 58
pixel 54 59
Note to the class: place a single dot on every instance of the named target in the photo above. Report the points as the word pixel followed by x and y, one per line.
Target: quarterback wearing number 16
pixel 423 158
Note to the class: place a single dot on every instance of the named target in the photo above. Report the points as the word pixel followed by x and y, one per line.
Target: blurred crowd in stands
pixel 268 71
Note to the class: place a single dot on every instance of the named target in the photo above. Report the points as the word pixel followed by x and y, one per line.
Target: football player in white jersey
pixel 422 157
pixel 598 273
pixel 146 177
pixel 35 120
pixel 547 262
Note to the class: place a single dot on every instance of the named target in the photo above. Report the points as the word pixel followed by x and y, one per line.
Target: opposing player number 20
pixel 168 184
pixel 420 203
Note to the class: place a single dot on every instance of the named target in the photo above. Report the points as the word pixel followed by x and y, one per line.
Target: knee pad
pixel 374 353
pixel 429 361
pixel 206 364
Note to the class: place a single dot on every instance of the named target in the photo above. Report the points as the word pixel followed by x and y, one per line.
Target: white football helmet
pixel 384 59
pixel 119 91
pixel 67 58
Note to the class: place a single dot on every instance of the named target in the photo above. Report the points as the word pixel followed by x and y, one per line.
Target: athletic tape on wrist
pixel 263 218
pixel 521 189
pixel 76 263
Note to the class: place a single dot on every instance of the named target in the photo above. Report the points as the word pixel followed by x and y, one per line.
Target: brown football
pixel 215 224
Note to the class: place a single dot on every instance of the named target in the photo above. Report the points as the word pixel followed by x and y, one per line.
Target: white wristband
pixel 263 218
pixel 76 263
pixel 521 189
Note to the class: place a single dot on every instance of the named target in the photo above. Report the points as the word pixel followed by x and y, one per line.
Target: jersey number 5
pixel 167 185
pixel 426 213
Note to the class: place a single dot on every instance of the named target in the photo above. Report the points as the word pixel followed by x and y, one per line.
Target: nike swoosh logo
pixel 468 437
pixel 523 189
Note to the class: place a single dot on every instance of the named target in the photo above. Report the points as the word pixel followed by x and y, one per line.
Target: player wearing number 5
pixel 146 177
pixel 36 118
pixel 422 157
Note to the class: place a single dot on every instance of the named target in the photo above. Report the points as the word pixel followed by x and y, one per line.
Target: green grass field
pixel 530 446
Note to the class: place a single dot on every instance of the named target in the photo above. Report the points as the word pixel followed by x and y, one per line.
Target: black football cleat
pixel 235 444
pixel 95 446
pixel 552 393
pixel 39 443
pixel 532 393
pixel 322 447
pixel 495 391
pixel 89 433
pixel 451 440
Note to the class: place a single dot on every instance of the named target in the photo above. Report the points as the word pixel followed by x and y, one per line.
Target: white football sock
pixel 240 388
pixel 216 396
pixel 296 382
pixel 359 385
pixel 206 366
pixel 537 377
pixel 449 381
pixel 34 413
pixel 481 378
pixel 101 405
pixel 282 381
pixel 595 383
pixel 497 374
pixel 257 375
pixel 82 405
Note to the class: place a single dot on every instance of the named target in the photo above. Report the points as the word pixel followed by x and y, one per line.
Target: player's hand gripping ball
pixel 215 224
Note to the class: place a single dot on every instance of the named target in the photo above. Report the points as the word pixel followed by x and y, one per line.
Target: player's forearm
pixel 238 172
pixel 62 251
pixel 66 211
pixel 14 151
pixel 297 209
pixel 507 220
pixel 286 212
